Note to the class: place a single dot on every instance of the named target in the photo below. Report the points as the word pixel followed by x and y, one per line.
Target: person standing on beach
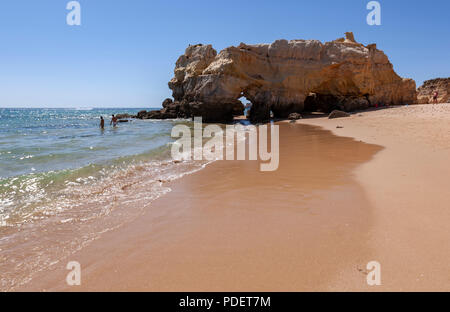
pixel 435 97
pixel 102 123
pixel 113 121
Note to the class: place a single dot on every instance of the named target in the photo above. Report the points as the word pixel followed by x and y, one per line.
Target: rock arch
pixel 285 77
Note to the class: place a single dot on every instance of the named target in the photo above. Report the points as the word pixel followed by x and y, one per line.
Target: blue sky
pixel 124 52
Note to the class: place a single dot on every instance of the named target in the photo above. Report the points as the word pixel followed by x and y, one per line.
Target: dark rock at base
pixel 124 116
pixel 210 112
pixel 338 114
pixel 171 110
pixel 238 109
pixel 141 114
pixel 295 116
pixel 327 103
pixel 259 112
pixel 354 103
pixel 167 102
pixel 153 115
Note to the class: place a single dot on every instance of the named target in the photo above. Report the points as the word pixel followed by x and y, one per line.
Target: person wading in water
pixel 113 121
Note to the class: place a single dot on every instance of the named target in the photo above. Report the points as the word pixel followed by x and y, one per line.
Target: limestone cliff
pixel 285 77
pixel 441 85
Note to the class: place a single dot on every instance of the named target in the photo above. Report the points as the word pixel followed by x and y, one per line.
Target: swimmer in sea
pixel 113 121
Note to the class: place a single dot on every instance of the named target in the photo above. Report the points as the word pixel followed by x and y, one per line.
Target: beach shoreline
pixel 372 209
pixel 288 230
pixel 225 147
pixel 407 185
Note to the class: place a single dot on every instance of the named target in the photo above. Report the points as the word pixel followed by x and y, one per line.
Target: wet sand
pixel 407 185
pixel 231 227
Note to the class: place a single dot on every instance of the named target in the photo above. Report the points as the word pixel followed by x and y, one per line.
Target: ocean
pixel 64 181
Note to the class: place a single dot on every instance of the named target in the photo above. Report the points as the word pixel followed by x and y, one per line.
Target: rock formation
pixel 338 114
pixel 124 116
pixel 284 77
pixel 295 116
pixel 441 85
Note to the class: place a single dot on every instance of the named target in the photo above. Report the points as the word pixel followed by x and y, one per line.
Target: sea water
pixel 64 181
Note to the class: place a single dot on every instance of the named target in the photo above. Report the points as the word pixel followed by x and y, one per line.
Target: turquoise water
pixel 44 150
pixel 64 181
pixel 42 140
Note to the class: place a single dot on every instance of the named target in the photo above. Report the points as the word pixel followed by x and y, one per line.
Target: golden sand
pixel 407 184
pixel 334 205
pixel 231 227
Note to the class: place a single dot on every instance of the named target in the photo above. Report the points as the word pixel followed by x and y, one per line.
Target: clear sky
pixel 124 52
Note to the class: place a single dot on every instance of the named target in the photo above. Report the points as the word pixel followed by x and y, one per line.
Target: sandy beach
pixel 225 146
pixel 231 227
pixel 407 185
pixel 375 190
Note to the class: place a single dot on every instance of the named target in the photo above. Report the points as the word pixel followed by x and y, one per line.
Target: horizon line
pixel 87 107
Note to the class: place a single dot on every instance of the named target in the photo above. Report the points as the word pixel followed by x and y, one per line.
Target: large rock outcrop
pixel 426 91
pixel 285 77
